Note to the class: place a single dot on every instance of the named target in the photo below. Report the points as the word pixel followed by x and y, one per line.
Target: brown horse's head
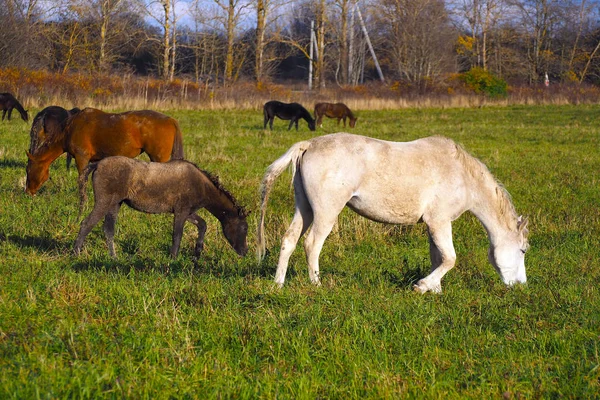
pixel 235 230
pixel 37 173
pixel 353 122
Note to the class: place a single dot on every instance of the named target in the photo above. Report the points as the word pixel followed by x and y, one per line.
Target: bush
pixel 481 81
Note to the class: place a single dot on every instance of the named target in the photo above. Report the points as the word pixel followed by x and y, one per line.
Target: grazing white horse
pixel 432 180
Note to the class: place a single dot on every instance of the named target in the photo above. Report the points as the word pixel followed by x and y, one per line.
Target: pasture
pixel 147 326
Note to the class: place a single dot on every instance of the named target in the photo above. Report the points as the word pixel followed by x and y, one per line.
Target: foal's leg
pixel 178 222
pixel 442 254
pixel 303 217
pixel 201 225
pixel 101 208
pixel 110 220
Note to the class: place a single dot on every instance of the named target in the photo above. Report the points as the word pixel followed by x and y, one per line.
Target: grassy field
pixel 146 326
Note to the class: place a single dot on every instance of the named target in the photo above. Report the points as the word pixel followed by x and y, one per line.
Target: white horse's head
pixel 508 254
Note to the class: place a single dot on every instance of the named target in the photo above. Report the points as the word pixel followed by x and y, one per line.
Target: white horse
pixel 432 180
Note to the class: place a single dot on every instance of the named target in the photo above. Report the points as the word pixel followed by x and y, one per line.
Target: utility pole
pixel 310 59
pixel 364 29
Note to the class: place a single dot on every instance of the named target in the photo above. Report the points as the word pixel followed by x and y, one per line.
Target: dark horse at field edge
pixel 49 122
pixel 331 110
pixel 92 135
pixel 286 111
pixel 8 102
pixel 178 187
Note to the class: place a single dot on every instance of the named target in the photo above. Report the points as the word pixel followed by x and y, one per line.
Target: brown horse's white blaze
pixel 92 135
pixel 432 180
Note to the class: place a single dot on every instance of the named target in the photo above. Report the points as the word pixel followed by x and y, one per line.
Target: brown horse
pixel 8 102
pixel 337 110
pixel 92 135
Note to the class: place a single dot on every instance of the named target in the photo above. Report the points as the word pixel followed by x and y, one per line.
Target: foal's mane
pixel 215 181
pixel 480 173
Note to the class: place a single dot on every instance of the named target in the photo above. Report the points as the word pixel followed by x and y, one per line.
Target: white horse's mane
pixel 482 175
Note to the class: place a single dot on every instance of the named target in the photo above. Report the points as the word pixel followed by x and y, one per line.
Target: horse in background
pixel 92 135
pixel 337 110
pixel 178 187
pixel 431 180
pixel 285 111
pixel 49 122
pixel 8 102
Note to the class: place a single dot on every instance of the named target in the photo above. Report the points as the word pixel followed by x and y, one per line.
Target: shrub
pixel 481 81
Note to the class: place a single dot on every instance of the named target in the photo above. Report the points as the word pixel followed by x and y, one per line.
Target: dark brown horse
pixel 285 111
pixel 49 122
pixel 337 110
pixel 8 102
pixel 92 135
pixel 177 187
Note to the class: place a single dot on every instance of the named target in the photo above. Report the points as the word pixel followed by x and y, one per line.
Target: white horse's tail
pixel 293 157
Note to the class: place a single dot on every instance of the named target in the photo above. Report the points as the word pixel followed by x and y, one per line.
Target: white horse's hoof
pixel 422 287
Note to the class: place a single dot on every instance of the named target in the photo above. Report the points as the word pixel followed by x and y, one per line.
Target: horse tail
pixel 293 156
pixel 82 181
pixel 177 150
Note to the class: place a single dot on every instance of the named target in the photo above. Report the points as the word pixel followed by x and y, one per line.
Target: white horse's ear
pixel 522 223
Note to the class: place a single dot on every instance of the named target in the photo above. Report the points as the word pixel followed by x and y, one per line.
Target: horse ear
pixel 522 223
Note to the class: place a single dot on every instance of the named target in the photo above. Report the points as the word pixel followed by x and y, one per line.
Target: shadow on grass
pixel 43 244
pixel 184 264
pixel 10 163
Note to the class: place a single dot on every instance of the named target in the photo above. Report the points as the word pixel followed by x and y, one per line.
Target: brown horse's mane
pixel 215 181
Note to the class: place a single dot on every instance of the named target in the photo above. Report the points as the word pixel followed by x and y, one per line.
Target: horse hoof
pixel 419 289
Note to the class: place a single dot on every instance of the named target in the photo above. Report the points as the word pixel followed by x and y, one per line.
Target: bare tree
pixel 229 16
pixel 163 14
pixel 420 37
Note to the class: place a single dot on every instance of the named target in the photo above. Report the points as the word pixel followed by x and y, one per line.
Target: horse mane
pixel 305 114
pixel 480 173
pixel 34 132
pixel 215 181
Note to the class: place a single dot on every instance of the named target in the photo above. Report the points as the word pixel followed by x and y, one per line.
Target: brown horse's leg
pixel 201 225
pixel 3 114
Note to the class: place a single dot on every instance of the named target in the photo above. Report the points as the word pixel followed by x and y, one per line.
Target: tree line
pixel 417 42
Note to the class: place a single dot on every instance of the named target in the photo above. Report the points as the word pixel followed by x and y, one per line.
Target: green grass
pixel 151 327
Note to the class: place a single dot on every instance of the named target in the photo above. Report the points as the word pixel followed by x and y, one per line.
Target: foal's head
pixel 235 229
pixel 508 254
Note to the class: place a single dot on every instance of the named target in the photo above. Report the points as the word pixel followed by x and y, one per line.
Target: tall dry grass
pixel 39 89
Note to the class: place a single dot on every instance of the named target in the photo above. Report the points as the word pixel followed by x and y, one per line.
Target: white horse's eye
pixel 523 251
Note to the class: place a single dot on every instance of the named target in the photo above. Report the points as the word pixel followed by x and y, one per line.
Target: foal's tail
pixel 293 156
pixel 177 150
pixel 82 181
